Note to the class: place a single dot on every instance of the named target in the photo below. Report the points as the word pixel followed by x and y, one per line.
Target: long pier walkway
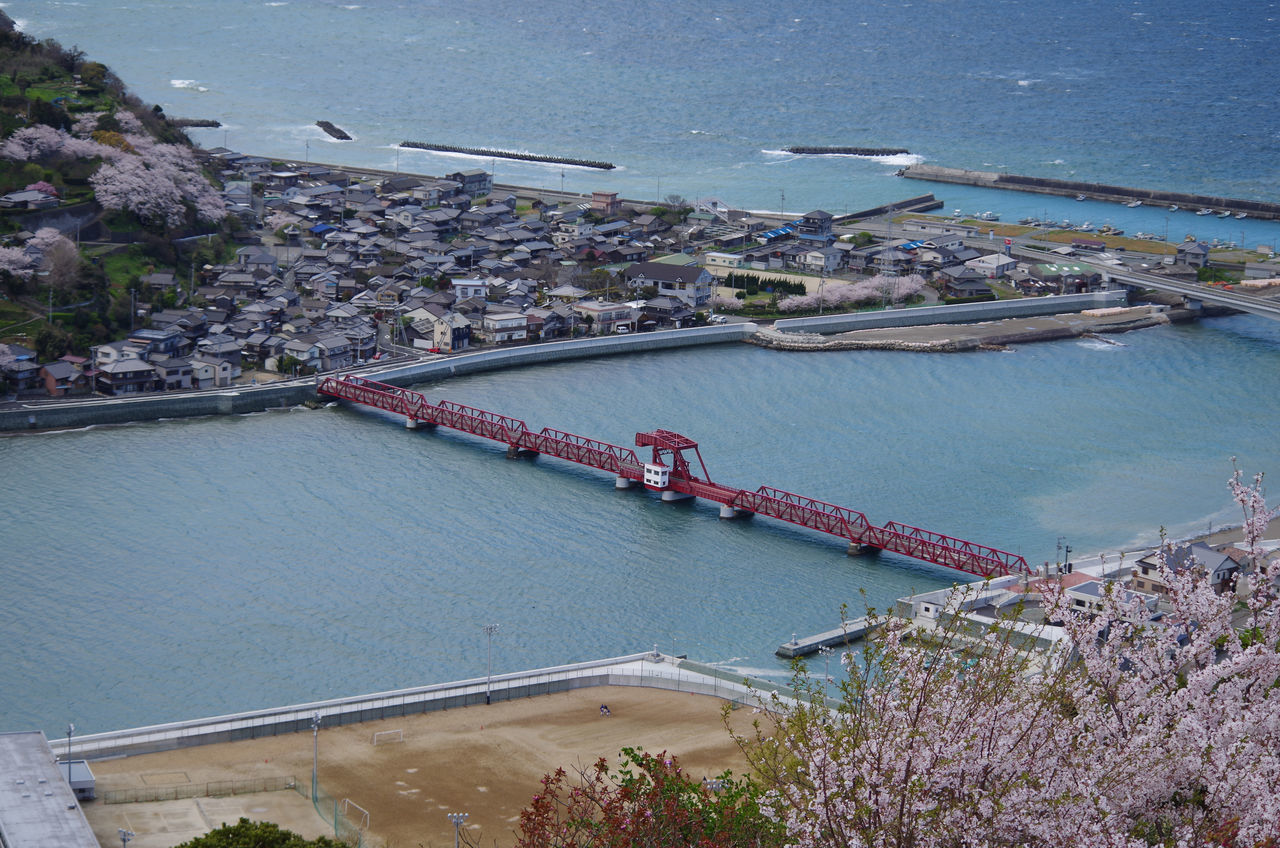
pixel 671 472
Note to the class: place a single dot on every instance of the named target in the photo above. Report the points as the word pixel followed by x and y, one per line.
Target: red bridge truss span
pixel 673 470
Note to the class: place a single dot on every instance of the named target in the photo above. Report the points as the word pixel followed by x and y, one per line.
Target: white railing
pixel 648 669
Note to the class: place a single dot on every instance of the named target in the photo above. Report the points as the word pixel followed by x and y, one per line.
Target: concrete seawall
pixel 648 669
pixel 960 313
pixel 55 415
pixel 1094 191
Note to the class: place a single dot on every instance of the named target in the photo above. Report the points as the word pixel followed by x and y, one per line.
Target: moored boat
pixel 1133 204
pixel 1205 212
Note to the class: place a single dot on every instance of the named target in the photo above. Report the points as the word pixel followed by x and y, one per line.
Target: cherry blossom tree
pixel 877 289
pixel 1128 732
pixel 44 188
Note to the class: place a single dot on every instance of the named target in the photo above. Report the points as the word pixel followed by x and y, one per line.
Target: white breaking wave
pixel 896 159
pixel 190 85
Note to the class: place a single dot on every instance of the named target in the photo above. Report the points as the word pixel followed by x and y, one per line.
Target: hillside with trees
pixel 96 187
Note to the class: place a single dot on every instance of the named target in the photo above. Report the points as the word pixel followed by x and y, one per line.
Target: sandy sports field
pixel 484 760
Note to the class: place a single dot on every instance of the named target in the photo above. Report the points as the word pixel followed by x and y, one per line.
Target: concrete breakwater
pixel 960 338
pixel 334 131
pixel 848 151
pixel 509 154
pixel 1094 191
pixel 241 400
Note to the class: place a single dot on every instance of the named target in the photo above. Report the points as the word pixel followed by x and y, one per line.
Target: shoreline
pixel 998 335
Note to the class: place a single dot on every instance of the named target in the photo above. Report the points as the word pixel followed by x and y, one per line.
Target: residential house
pixel 604 317
pixel 1218 567
pixel 208 373
pixel 815 226
pixel 1193 253
pixel 62 378
pixel 473 181
pixel 125 377
pixel 1089 596
pixel 993 265
pixel 173 373
pixel 605 203
pixel 505 327
pixel 689 283
pixel 335 351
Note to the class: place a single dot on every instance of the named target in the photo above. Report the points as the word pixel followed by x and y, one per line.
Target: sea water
pixel 167 570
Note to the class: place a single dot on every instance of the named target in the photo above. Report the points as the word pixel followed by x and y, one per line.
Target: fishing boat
pixel 1173 208
pixel 1240 216
pixel 1028 222
pixel 988 216
pixel 1134 204
pixel 1205 212
pixel 1080 197
pixel 1224 214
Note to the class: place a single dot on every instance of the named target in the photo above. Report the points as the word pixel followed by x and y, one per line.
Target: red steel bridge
pixel 672 471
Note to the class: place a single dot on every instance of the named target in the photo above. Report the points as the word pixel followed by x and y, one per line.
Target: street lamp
pixel 489 630
pixel 457 819
pixel 71 728
pixel 125 836
pixel 826 658
pixel 315 755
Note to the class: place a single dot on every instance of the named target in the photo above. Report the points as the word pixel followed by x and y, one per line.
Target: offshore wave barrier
pixel 671 473
pixel 1094 191
pixel 848 151
pixel 334 131
pixel 509 154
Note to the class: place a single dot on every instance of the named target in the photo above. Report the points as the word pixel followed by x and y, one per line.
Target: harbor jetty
pixel 202 123
pixel 1093 191
pixel 848 151
pixel 509 154
pixel 336 132
pixel 846 634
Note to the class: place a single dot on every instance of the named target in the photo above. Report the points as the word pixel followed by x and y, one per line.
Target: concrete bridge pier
pixel 858 549
pixel 413 424
pixel 1193 304
pixel 410 424
pixel 670 495
pixel 731 512
pixel 623 482
pixel 514 452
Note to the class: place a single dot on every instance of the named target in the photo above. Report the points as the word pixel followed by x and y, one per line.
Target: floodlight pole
pixel 489 630
pixel 71 728
pixel 315 756
pixel 457 819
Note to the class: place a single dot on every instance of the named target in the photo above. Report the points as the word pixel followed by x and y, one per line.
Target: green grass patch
pixel 124 266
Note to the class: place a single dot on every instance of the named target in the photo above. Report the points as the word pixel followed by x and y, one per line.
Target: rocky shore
pixel 986 335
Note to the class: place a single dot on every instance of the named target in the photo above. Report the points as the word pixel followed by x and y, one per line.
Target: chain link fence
pixel 330 809
pixel 214 789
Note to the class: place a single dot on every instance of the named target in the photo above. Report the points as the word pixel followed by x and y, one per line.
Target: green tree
pixel 93 74
pixel 648 801
pixel 247 834
pixel 51 343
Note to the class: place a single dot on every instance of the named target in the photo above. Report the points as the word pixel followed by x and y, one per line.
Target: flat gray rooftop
pixel 37 808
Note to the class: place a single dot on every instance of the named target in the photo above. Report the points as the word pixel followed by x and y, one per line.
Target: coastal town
pixel 335 268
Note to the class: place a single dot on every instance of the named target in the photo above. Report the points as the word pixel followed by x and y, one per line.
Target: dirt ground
pixel 485 760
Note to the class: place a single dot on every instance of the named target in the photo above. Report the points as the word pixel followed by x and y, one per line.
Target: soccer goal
pixel 383 737
pixel 355 814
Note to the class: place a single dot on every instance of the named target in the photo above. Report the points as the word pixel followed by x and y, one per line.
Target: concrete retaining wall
pixel 237 401
pixel 563 351
pixel 57 415
pixel 648 669
pixel 961 313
